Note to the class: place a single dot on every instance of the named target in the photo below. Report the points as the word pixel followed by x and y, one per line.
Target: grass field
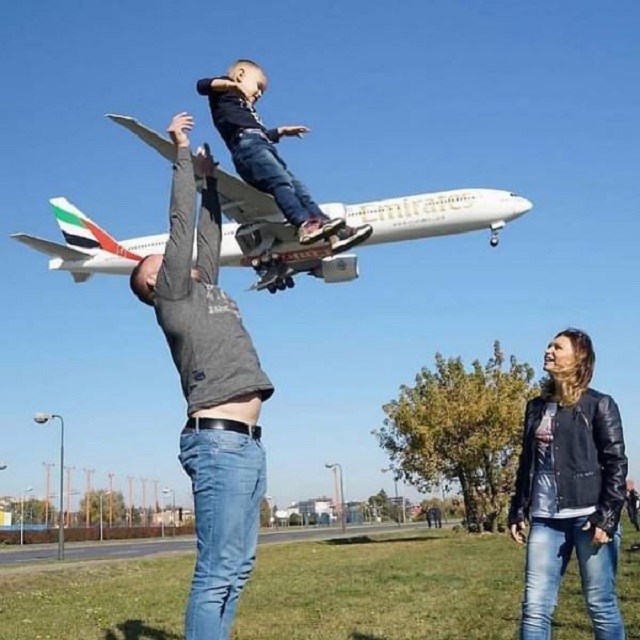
pixel 416 584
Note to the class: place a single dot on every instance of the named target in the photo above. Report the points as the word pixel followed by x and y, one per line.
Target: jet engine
pixel 340 268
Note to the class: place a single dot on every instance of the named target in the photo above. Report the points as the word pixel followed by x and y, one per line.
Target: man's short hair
pixel 138 286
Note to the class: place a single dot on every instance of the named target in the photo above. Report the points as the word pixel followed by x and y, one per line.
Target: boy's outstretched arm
pixel 297 130
pixel 210 223
pixel 206 86
pixel 174 277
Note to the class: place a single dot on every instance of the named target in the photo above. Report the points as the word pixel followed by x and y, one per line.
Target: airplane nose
pixel 523 206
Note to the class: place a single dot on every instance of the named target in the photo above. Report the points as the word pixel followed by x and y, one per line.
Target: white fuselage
pixel 393 220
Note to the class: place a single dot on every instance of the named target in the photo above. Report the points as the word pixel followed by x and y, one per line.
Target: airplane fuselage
pixel 393 220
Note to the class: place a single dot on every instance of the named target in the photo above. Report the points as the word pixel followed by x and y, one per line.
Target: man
pixel 224 387
pixel 633 503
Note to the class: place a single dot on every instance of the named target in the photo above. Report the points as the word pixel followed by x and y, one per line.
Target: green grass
pixel 411 585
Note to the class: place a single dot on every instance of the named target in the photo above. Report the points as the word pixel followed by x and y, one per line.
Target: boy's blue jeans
pixel 258 163
pixel 551 542
pixel 229 479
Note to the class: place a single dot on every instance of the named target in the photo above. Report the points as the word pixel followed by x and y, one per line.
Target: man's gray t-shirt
pixel 210 347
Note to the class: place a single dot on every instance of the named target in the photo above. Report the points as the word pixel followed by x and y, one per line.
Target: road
pixel 79 551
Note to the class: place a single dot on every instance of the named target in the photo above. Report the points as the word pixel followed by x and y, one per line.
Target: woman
pixel 571 486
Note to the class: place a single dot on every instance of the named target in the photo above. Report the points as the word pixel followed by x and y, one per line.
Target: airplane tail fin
pixel 81 233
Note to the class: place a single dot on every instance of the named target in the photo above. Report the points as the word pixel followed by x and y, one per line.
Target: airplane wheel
pixel 256 263
pixel 494 241
pixel 281 284
pixel 276 257
pixel 290 282
pixel 271 288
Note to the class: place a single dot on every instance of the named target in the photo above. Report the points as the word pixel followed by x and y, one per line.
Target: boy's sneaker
pixel 315 229
pixel 349 237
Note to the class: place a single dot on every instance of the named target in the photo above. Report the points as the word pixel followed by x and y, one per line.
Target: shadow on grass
pixel 138 630
pixel 365 636
pixel 368 540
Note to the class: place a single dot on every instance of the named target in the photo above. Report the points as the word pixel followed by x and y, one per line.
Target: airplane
pixel 259 236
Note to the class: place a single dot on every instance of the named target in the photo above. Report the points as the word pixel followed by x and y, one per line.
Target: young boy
pixel 257 161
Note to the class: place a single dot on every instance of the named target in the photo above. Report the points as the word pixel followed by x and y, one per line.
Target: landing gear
pixel 280 284
pixel 266 261
pixel 494 241
pixel 274 274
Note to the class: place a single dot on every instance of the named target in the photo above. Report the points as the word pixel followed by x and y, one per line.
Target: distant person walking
pixel 633 504
pixel 570 484
pixel 224 386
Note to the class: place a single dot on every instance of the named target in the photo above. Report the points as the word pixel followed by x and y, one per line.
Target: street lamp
pixel 43 418
pixel 165 492
pixel 395 486
pixel 27 490
pixel 343 519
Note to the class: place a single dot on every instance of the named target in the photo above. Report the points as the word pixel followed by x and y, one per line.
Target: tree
pixel 118 508
pixel 463 426
pixel 379 505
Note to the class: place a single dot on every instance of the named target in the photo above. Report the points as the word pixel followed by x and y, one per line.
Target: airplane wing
pixel 50 248
pixel 239 201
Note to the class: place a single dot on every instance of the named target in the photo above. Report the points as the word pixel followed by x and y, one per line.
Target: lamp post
pixel 343 518
pixel 395 486
pixel 43 418
pixel 27 490
pixel 173 509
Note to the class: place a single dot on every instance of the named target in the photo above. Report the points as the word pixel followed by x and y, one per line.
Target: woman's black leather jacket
pixel 589 459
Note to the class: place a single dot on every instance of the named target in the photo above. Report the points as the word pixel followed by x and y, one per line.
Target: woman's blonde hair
pixel 568 386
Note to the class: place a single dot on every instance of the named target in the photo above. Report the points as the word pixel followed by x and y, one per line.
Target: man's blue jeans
pixel 228 476
pixel 551 542
pixel 258 163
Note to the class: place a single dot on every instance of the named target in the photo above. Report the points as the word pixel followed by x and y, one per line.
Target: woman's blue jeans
pixel 258 163
pixel 551 542
pixel 229 478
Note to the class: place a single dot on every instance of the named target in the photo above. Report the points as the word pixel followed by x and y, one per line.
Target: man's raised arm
pixel 210 223
pixel 174 277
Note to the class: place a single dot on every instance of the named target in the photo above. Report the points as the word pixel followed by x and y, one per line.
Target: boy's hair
pixel 243 62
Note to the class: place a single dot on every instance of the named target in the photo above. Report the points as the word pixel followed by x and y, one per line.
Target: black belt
pixel 222 424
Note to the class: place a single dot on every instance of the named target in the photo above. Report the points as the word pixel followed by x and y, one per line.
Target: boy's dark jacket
pixel 589 459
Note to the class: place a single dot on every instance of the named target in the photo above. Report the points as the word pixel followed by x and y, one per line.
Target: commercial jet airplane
pixel 258 236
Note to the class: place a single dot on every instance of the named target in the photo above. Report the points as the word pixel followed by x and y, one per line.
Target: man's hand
pixel 297 130
pixel 599 535
pixel 518 532
pixel 203 162
pixel 177 129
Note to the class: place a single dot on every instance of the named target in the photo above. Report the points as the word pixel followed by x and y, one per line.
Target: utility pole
pixel 68 470
pixel 155 497
pixel 48 466
pixel 111 476
pixel 144 501
pixel 87 497
pixel 130 479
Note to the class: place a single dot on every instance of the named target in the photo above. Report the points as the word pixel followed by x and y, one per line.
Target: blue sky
pixel 539 98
